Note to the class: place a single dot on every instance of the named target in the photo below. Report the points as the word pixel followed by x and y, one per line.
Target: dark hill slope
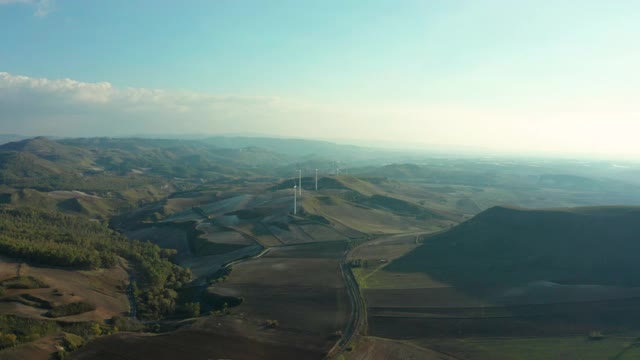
pixel 104 164
pixel 49 150
pixel 193 156
pixel 43 164
pixel 503 247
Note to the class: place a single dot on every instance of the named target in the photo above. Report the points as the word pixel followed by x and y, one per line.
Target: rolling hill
pixel 504 247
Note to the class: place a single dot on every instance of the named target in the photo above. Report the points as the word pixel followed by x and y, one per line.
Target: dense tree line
pixel 56 239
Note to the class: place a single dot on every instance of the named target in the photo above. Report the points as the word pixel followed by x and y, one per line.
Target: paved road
pixel 358 308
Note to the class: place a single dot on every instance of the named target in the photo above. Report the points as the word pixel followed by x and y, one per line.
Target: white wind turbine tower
pixel 295 199
pixel 316 179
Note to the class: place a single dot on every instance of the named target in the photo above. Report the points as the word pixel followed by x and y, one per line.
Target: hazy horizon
pixel 533 77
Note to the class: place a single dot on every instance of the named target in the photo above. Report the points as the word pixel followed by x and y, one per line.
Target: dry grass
pixel 102 288
pixel 361 218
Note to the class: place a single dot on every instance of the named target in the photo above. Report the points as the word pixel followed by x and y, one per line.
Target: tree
pixel 193 309
pixel 96 329
pixel 7 340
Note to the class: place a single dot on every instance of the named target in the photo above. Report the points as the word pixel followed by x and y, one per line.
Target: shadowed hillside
pixel 506 247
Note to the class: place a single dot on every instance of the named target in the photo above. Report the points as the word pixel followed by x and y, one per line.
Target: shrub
pixel 70 309
pixel 61 355
pixel 72 342
pixel 192 309
pixel 7 340
pixel 120 323
pixel 96 329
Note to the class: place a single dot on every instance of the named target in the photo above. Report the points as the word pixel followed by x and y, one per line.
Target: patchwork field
pixel 449 321
pixel 301 287
pixel 483 318
pixel 294 305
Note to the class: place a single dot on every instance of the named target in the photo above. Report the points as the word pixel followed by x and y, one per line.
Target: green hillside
pixel 46 149
pixel 503 247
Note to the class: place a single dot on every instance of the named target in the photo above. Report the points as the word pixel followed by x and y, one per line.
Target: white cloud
pixel 84 108
pixel 128 98
pixel 66 107
pixel 42 7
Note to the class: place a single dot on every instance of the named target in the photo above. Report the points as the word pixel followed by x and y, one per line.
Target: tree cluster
pixel 56 239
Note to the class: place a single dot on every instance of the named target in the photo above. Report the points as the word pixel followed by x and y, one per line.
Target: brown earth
pixel 188 344
pixel 560 319
pixel 40 349
pixel 103 288
pixel 305 294
pixel 372 348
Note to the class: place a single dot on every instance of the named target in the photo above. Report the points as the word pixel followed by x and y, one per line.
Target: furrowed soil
pixel 301 287
pixel 189 344
pixel 372 348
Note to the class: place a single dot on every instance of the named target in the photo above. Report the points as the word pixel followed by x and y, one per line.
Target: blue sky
pixel 554 76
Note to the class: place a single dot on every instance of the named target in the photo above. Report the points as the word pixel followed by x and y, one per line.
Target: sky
pixel 534 76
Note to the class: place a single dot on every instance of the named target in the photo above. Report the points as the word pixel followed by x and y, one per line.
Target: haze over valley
pixel 319 180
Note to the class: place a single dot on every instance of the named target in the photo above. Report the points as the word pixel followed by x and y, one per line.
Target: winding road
pixel 358 308
pixel 358 317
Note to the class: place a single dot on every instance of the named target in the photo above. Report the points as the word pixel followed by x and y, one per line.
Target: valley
pixel 390 261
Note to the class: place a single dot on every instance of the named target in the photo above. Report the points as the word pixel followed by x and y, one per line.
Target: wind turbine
pixel 316 179
pixel 295 199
